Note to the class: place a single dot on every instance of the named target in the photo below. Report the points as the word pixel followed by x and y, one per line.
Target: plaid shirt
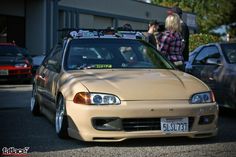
pixel 171 45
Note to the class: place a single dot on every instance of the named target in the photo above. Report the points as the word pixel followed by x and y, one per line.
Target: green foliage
pixel 196 40
pixel 232 30
pixel 185 5
pixel 214 13
pixel 210 13
pixel 165 3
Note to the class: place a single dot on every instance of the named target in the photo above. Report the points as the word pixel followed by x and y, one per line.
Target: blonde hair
pixel 173 23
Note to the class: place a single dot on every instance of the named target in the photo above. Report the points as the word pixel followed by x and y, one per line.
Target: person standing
pixel 184 32
pixel 171 42
pixel 152 28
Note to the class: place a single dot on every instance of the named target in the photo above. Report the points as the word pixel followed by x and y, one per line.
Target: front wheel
pixel 34 104
pixel 61 123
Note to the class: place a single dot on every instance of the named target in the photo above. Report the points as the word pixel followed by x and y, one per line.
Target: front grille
pixel 146 124
pixel 141 124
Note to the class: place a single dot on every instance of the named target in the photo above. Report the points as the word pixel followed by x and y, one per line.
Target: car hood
pixel 155 84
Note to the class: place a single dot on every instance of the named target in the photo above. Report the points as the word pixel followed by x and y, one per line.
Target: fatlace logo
pixel 12 151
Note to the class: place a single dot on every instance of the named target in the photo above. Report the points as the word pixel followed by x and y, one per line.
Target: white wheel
pixel 34 105
pixel 61 124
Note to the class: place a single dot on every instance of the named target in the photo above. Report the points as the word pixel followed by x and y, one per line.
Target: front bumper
pixel 16 74
pixel 81 119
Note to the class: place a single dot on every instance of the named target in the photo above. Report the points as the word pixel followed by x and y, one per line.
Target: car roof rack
pixel 110 32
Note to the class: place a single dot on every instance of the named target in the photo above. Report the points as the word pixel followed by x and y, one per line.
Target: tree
pixel 214 13
pixel 210 13
pixel 185 5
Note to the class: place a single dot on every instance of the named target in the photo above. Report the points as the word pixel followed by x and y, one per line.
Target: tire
pixel 61 123
pixel 34 104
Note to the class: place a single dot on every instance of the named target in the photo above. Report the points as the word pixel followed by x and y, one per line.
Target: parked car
pixel 215 64
pixel 14 66
pixel 26 54
pixel 99 87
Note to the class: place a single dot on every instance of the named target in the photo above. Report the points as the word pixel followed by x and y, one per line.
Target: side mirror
pixel 52 62
pixel 214 61
pixel 54 65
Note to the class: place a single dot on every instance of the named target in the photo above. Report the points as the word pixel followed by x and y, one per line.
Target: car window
pixel 128 53
pixel 205 53
pixel 6 50
pixel 115 53
pixel 51 53
pixel 192 56
pixel 26 54
pixel 229 51
pixel 53 61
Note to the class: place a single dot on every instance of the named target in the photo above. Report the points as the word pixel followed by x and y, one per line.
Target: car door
pixel 204 70
pixel 41 79
pixel 227 78
pixel 54 69
pixel 47 73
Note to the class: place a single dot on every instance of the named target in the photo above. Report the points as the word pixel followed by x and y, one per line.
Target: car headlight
pixel 96 99
pixel 21 65
pixel 205 97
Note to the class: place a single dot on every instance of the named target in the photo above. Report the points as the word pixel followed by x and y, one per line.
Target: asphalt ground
pixel 20 129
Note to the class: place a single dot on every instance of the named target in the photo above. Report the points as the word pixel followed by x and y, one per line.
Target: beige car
pixel 113 88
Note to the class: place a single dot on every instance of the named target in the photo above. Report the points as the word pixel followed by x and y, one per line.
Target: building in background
pixel 34 24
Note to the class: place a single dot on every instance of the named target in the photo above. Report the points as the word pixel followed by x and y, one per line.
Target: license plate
pixel 3 72
pixel 173 125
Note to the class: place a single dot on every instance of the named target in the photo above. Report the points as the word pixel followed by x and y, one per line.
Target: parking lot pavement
pixel 20 129
pixel 15 96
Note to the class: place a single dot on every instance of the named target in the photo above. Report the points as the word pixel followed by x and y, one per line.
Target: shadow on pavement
pixel 19 129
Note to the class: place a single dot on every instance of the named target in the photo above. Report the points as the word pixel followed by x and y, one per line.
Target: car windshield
pixel 113 53
pixel 229 51
pixel 6 50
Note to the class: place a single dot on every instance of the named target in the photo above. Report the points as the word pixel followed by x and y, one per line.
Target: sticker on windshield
pixel 103 66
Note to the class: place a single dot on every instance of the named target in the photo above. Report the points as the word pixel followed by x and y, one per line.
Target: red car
pixel 14 66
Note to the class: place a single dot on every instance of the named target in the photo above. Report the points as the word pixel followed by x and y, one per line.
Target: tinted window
pixel 112 53
pixel 229 51
pixel 205 53
pixel 192 56
pixel 53 61
pixel 6 50
pixel 26 54
pixel 51 53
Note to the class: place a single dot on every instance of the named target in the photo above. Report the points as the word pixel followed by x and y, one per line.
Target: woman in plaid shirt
pixel 170 42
